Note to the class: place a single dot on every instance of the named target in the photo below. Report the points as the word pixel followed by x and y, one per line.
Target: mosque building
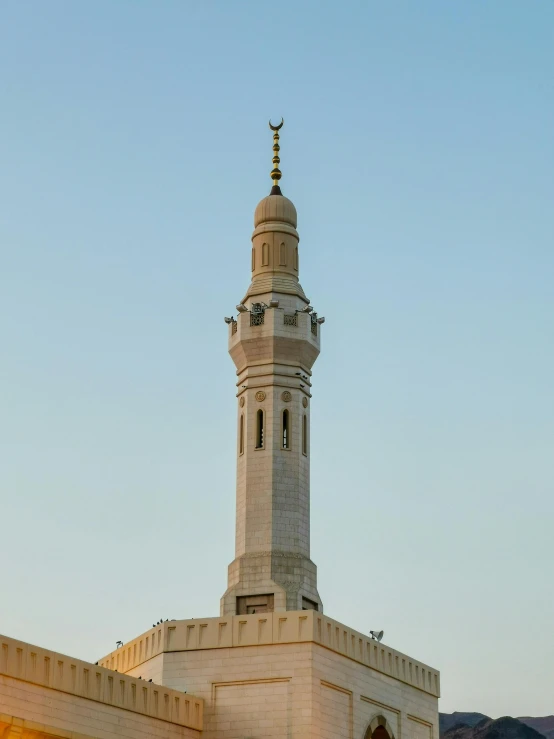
pixel 273 664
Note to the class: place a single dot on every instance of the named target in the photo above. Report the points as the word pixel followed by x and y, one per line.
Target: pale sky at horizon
pixel 418 150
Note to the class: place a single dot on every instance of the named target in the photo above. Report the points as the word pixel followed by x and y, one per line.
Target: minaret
pixel 273 342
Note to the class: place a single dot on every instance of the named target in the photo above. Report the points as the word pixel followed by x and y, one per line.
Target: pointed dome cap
pixel 275 208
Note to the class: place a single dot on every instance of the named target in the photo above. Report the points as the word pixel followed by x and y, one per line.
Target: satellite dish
pixel 378 635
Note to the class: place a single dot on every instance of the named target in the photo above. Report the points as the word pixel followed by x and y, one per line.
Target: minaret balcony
pixel 274 334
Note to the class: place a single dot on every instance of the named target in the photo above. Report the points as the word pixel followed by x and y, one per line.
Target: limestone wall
pixel 347 697
pixel 49 688
pixel 257 691
pixel 299 690
pixel 298 674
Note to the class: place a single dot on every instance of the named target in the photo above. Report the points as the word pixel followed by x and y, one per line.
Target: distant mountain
pixel 543 724
pixel 488 728
pixel 448 720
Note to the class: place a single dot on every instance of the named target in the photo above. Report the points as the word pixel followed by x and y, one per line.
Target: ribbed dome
pixel 275 208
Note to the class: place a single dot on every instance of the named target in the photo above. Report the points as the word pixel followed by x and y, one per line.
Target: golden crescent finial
pixel 276 172
pixel 276 128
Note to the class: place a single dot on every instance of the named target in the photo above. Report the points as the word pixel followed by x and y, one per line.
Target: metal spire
pixel 276 172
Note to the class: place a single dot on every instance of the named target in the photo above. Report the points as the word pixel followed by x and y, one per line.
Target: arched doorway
pixel 379 728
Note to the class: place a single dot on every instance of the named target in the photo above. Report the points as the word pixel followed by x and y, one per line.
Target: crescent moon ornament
pixel 276 128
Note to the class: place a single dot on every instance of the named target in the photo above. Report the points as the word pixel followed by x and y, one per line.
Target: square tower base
pixel 290 674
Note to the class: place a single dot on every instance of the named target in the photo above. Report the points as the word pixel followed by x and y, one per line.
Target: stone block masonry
pixel 295 673
pixel 49 688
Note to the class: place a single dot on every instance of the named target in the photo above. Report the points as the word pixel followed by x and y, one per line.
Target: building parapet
pixel 279 627
pixel 49 669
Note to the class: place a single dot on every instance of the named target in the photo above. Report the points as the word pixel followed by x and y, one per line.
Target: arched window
pixel 305 434
pixel 253 259
pixel 260 429
pixel 241 434
pixel 282 254
pixel 296 258
pixel 265 255
pixel 285 442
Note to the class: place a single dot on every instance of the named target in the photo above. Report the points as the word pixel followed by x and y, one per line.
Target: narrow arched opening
pixel 241 434
pixel 285 430
pixel 260 429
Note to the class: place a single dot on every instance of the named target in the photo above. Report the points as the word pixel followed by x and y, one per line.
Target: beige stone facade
pixel 44 693
pixel 272 664
pixel 294 674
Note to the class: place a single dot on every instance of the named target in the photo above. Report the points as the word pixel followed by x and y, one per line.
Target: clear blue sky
pixel 418 149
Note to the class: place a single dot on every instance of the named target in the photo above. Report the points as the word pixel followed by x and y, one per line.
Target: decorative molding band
pixel 275 227
pixel 336 687
pixel 422 722
pixel 270 363
pixel 253 681
pixel 378 704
